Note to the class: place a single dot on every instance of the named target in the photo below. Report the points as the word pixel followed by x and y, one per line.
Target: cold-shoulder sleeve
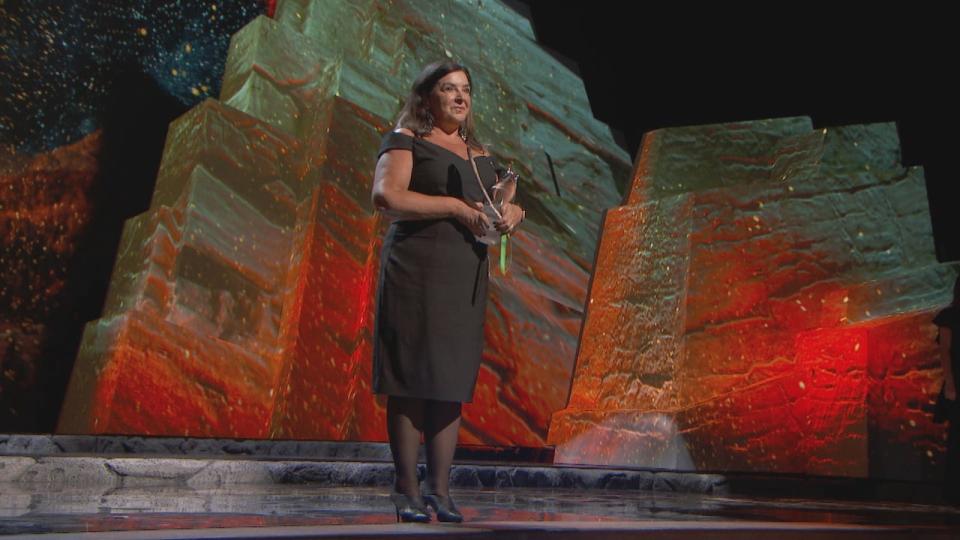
pixel 394 140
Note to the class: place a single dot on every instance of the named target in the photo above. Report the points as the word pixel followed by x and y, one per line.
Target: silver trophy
pixel 503 192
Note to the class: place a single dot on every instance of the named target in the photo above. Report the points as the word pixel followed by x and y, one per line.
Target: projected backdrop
pixel 240 304
pixel 757 296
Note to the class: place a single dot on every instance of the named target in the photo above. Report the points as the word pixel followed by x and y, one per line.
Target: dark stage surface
pixel 118 487
pixel 306 511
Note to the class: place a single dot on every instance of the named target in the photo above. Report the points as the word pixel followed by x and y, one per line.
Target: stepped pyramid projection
pixel 241 302
pixel 763 302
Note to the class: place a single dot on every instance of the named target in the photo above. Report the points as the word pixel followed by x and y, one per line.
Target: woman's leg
pixel 441 424
pixel 404 424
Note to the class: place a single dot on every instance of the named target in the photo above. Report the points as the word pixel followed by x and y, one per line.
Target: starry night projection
pixel 87 90
pixel 61 59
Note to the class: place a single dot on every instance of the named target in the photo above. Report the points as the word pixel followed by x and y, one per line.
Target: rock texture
pixel 762 302
pixel 241 302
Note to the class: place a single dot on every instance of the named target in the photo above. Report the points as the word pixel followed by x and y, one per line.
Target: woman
pixel 432 293
pixel 948 322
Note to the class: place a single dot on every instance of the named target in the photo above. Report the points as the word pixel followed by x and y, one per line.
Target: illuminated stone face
pixel 241 302
pixel 747 303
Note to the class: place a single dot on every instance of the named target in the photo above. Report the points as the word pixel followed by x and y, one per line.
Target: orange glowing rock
pixel 261 234
pixel 757 273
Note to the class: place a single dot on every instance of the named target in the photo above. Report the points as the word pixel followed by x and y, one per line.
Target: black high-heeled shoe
pixel 409 509
pixel 444 507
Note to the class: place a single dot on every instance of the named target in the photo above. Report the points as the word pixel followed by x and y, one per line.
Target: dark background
pixel 648 68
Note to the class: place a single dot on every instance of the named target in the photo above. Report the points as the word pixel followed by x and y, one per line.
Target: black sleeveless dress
pixel 432 293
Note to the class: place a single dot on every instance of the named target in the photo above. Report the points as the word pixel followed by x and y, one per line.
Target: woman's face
pixel 450 99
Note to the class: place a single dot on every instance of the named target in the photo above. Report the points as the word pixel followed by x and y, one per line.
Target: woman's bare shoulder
pixel 404 131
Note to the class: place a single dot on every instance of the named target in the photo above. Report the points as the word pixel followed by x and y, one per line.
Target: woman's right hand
pixel 472 216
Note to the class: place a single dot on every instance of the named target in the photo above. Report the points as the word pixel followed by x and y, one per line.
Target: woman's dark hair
pixel 416 115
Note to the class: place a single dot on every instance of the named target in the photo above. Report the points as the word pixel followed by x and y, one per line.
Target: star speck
pixel 59 60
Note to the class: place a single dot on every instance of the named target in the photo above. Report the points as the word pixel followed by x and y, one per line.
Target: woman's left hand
pixel 512 216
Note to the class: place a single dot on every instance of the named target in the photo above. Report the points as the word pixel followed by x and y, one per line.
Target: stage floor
pixel 313 511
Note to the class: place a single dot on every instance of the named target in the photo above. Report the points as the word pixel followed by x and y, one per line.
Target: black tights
pixel 439 421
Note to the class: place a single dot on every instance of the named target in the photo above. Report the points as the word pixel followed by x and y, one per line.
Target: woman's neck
pixel 449 131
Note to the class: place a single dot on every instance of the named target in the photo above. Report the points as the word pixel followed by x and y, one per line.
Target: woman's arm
pixel 392 196
pixel 949 385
